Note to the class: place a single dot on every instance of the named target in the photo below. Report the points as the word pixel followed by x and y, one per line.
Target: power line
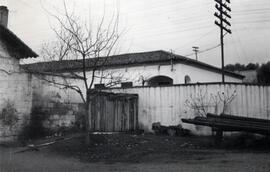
pixel 257 9
pixel 196 40
pixel 203 51
pixel 209 49
pixel 254 21
pixel 239 41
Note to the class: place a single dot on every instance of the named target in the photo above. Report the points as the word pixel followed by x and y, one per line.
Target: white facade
pixel 138 74
pixel 177 72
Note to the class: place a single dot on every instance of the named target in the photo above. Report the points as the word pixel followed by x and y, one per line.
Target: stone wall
pixel 15 94
pixel 15 91
pixel 24 92
pixel 63 106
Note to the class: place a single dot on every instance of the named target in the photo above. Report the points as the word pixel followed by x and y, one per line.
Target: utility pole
pixel 171 60
pixel 196 50
pixel 223 24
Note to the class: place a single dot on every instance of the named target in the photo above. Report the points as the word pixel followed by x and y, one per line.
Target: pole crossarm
pixel 224 20
pixel 222 15
pixel 222 12
pixel 223 5
pixel 224 28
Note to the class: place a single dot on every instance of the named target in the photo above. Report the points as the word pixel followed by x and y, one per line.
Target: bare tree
pixel 81 41
pixel 201 103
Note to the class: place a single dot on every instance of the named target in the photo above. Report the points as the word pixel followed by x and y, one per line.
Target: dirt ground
pixel 150 153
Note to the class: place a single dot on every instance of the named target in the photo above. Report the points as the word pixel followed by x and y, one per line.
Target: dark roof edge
pixel 176 58
pixel 16 38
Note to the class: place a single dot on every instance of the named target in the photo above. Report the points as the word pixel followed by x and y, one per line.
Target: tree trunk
pixel 218 137
pixel 87 118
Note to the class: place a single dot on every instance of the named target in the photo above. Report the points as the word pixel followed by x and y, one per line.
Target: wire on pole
pixel 222 16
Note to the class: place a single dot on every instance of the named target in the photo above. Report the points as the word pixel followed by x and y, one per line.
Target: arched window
pixel 187 79
pixel 160 80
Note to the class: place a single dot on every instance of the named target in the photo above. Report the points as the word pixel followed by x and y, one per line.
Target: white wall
pixel 167 104
pixel 136 73
pixel 128 74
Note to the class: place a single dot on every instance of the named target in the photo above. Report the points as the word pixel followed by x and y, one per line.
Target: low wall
pixel 20 93
pixel 168 104
pixel 63 106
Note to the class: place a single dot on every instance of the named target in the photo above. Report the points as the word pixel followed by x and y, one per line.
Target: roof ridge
pixel 117 55
pixel 138 58
pixel 24 45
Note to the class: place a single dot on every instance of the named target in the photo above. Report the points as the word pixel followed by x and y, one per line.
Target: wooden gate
pixel 110 112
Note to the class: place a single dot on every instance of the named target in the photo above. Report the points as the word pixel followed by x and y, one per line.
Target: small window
pixel 160 80
pixel 126 84
pixel 187 79
pixel 99 86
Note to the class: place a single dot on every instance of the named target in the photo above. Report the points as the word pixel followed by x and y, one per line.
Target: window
pixel 160 80
pixel 187 79
pixel 99 86
pixel 126 84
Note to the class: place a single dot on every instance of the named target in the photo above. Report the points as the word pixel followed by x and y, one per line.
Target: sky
pixel 148 25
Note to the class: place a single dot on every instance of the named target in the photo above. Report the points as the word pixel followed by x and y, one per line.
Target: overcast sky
pixel 175 25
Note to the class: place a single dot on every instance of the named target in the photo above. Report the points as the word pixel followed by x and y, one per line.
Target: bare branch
pixel 65 85
pixel 7 72
pixel 78 40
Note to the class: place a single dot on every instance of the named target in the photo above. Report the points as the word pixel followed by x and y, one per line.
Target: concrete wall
pixel 168 104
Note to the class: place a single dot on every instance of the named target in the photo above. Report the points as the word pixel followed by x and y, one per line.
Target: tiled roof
pixel 132 59
pixel 17 44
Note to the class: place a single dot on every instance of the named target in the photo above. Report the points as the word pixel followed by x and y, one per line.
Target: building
pixel 24 91
pixel 163 81
pixel 15 87
pixel 142 69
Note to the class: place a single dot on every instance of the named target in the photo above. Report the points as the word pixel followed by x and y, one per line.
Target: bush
pixel 263 73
